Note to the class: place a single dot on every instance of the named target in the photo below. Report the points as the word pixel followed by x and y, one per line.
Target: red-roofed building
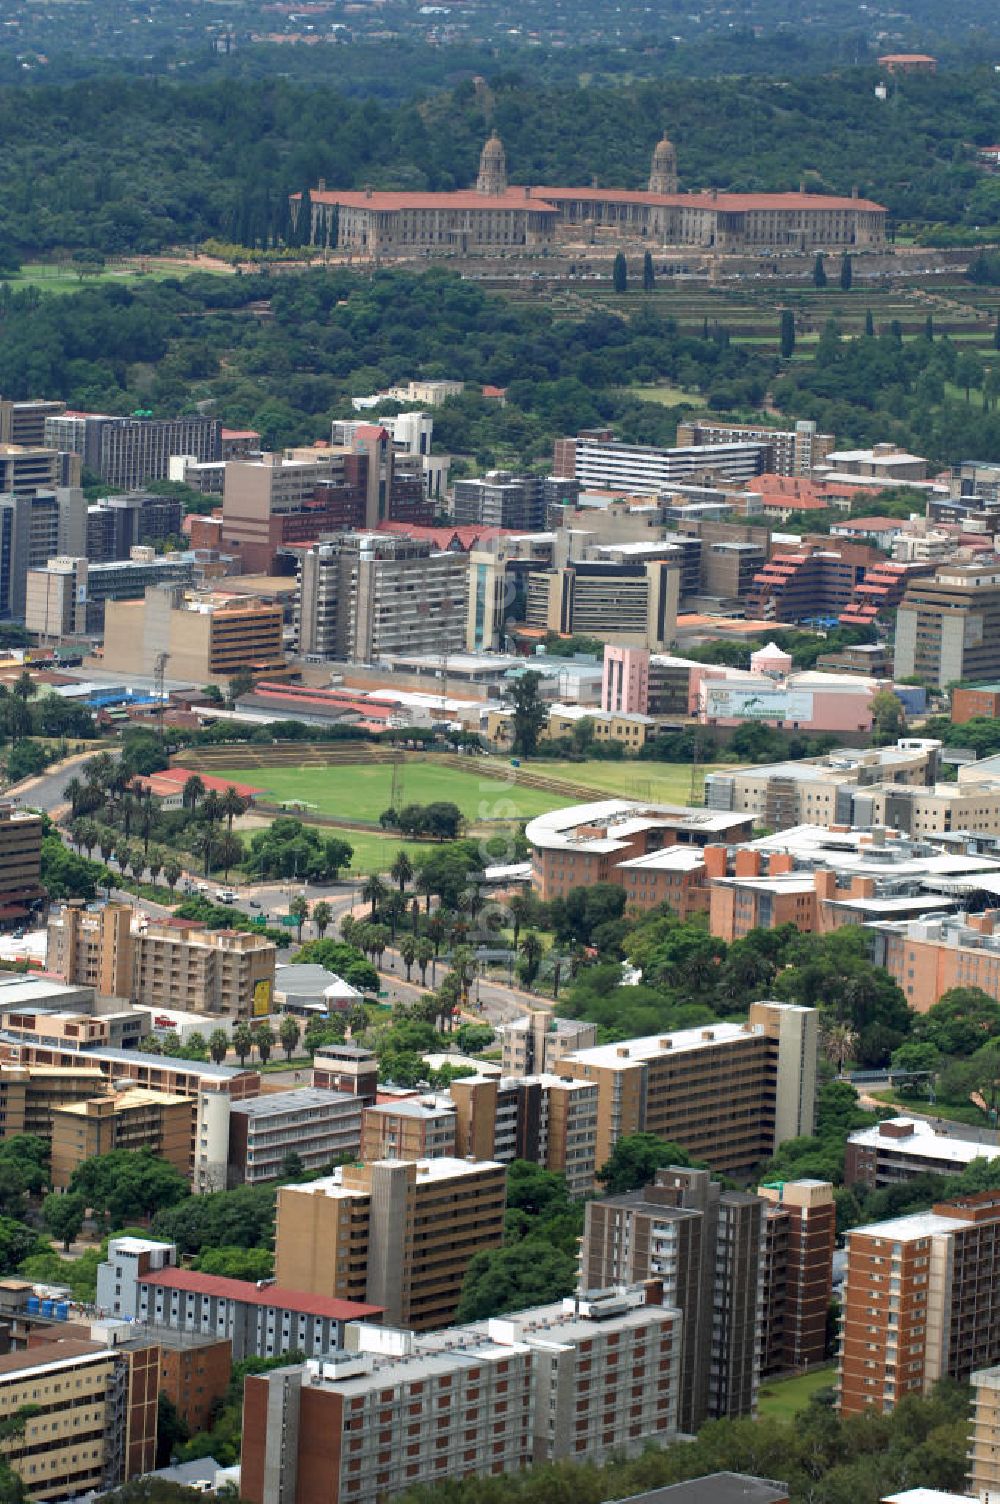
pixel 261 1321
pixel 495 216
pixel 813 580
pixel 167 786
pixel 880 591
pixel 908 62
pixel 455 540
pixel 237 443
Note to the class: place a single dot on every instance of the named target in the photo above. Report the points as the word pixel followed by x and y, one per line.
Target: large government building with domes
pixel 495 217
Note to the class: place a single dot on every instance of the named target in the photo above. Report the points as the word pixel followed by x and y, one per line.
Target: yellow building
pixel 29 1094
pixel 394 1233
pixel 203 971
pixel 131 1119
pixel 208 636
pixel 93 1420
pixel 93 948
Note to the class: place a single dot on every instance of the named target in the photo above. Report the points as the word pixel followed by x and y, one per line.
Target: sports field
pixel 665 782
pixel 356 792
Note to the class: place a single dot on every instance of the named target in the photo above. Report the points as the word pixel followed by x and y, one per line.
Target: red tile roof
pixel 467 536
pixel 535 199
pixel 272 1295
pixel 463 198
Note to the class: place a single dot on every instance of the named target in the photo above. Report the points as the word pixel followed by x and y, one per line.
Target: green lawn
pixel 61 277
pixel 374 853
pixel 667 396
pixel 665 782
pixel 357 792
pixel 782 1399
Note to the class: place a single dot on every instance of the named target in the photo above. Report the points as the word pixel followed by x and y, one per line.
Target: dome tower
pixel 663 168
pixel 492 168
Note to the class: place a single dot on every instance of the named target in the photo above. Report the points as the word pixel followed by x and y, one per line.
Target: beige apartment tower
pixel 395 1233
pixel 208 971
pixel 93 948
pixel 984 1443
pixel 208 637
pixel 728 1094
pixel 132 1119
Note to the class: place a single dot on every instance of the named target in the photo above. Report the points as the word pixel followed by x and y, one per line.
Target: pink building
pixel 625 686
pixel 809 701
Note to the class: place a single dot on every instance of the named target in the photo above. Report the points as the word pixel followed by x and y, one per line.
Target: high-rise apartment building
pixel 35 526
pixel 984 1443
pixel 579 1381
pixel 365 595
pixel 795 450
pixel 800 1229
pixel 396 1233
pixel 132 1119
pixel 91 1416
pixel 918 1302
pixel 208 636
pixel 210 971
pixel 20 863
pixel 729 1094
pixel 948 625
pixel 317 1127
pixel 706 1246
pixel 536 1042
pixel 127 452
pixel 548 1119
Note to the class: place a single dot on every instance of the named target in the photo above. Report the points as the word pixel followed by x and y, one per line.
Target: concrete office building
pixel 395 1233
pixel 26 470
pixel 36 525
pixel 601 462
pixel 917 1304
pixel 517 502
pixel 633 602
pixel 207 636
pixel 68 597
pixel 127 452
pixel 706 1246
pixel 277 501
pixel 580 1381
pixel 132 1119
pixel 346 1067
pixel 948 625
pixel 117 524
pixel 897 1149
pixel 754 1085
pixel 23 423
pixel 929 956
pixel 794 451
pixel 315 1126
pixel 91 1416
pixel 365 595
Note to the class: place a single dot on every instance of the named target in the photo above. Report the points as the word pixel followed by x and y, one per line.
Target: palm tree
pixel 204 842
pixel 229 851
pixel 425 887
pixel 463 969
pixel 380 937
pixel 243 1041
pixel 172 870
pixel 122 855
pixel 839 1041
pixel 349 927
pixel 194 789
pixel 218 1045
pixel 395 907
pixel 374 892
pixel 211 808
pixel 321 916
pixel 401 870
pixel 75 792
pixel 531 958
pixel 107 844
pixel 289 1033
pixel 408 953
pixel 154 864
pixel 437 927
pixel 91 835
pixel 424 957
pixel 299 910
pixel 447 997
pixel 137 862
pixel 232 804
pixel 520 908
pixel 264 1040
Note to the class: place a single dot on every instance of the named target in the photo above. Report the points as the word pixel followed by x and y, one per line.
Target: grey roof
pixel 142 1057
pixel 716 1488
pixel 278 1103
pixel 203 1470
